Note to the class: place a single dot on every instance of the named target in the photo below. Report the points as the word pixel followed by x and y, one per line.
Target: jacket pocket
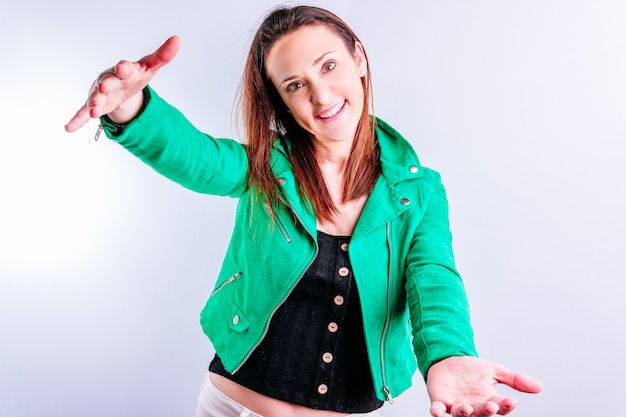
pixel 222 315
pixel 228 281
pixel 238 321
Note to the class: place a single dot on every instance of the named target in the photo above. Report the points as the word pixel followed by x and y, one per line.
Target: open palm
pixel 466 386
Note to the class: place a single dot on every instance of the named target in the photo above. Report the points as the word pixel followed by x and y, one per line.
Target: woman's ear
pixel 359 57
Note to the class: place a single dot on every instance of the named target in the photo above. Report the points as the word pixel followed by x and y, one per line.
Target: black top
pixel 314 352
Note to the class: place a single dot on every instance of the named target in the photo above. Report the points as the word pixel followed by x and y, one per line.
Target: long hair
pixel 266 120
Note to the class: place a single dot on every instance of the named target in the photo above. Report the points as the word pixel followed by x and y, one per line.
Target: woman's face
pixel 319 80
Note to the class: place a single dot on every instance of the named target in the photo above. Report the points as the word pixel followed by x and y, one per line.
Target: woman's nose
pixel 320 93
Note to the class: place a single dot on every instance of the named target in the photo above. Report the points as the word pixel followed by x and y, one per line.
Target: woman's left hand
pixel 464 386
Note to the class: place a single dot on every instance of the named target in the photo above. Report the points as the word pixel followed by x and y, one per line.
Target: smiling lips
pixel 333 111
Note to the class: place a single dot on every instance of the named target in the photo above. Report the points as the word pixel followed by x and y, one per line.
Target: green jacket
pixel 400 251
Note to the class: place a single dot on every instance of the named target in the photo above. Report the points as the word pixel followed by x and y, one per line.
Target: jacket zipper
pixel 225 283
pixel 281 226
pixel 267 325
pixel 98 132
pixel 386 391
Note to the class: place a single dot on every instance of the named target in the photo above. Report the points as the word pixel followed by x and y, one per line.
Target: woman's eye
pixel 294 86
pixel 329 66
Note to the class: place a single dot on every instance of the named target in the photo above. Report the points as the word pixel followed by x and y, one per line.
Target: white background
pixel 105 266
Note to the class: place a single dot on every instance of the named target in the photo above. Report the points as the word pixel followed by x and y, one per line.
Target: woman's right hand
pixel 118 91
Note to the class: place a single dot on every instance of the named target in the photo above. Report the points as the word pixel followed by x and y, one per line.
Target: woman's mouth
pixel 332 111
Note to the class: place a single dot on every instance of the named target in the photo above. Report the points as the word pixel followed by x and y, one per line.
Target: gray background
pixel 104 265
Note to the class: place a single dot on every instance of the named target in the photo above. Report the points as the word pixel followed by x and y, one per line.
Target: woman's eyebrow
pixel 315 62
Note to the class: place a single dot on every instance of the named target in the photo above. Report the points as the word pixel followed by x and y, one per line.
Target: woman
pixel 339 279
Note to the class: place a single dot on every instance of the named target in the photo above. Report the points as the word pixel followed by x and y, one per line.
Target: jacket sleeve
pixel 166 141
pixel 436 296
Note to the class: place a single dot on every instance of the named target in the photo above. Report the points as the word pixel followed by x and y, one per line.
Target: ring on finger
pixel 112 72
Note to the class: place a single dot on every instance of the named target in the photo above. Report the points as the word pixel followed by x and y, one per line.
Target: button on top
pixel 332 327
pixel 236 320
pixel 344 247
pixel 343 271
pixel 327 357
pixel 281 180
pixel 405 201
pixel 413 169
pixel 322 389
pixel 338 300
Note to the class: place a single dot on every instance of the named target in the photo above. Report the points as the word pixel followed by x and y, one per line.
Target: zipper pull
pixel 388 396
pixel 97 135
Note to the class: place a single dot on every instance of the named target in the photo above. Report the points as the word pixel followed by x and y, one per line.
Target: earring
pixel 363 73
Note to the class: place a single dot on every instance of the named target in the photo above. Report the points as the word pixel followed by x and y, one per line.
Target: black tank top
pixel 314 352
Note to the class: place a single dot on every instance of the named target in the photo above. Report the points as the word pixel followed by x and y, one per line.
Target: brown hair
pixel 266 119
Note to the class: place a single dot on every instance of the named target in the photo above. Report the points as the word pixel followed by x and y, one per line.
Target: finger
pixel 126 69
pixel 518 381
pixel 487 408
pixel 163 55
pixel 96 103
pixel 461 410
pixel 438 409
pixel 79 120
pixel 507 405
pixel 110 84
pixel 91 108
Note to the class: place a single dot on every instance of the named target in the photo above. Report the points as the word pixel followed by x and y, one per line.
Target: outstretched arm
pixel 118 92
pixel 466 386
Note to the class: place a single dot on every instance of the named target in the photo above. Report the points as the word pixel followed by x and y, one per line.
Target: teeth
pixel 333 111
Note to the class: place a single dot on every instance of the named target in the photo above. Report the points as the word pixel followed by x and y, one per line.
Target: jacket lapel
pixel 284 173
pixel 396 189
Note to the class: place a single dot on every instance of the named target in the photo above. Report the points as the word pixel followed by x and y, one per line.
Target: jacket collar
pixel 398 159
pixel 391 195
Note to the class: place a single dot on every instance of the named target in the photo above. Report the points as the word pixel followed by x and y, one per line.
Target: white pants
pixel 214 403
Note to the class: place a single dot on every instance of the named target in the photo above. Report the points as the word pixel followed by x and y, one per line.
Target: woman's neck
pixel 335 154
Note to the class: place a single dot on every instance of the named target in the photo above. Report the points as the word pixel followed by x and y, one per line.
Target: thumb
pixel 518 381
pixel 163 55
